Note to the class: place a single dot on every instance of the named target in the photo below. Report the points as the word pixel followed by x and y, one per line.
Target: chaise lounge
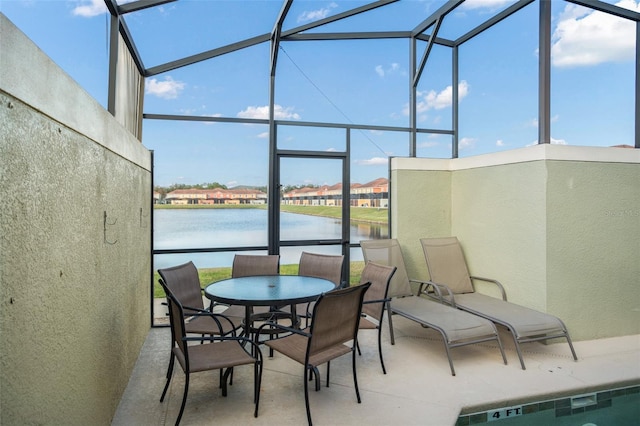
pixel 448 271
pixel 458 328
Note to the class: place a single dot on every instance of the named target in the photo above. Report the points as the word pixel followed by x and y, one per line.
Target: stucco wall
pixel 420 205
pixel 74 297
pixel 499 215
pixel 559 226
pixel 593 254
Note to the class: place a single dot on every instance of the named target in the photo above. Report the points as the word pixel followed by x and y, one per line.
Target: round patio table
pixel 267 290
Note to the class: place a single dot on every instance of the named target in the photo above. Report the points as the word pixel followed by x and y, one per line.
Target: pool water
pixel 614 407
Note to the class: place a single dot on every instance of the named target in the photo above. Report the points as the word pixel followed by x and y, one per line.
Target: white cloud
pixel 465 143
pixel 263 135
pixel 429 144
pixel 484 4
pixel 167 89
pixel 500 142
pixel 262 112
pixel 209 123
pixel 553 142
pixel 314 15
pixel 443 99
pixel 584 37
pixel 90 8
pixel 558 142
pixel 382 71
pixel 375 161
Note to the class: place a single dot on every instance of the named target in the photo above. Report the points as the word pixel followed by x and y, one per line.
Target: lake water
pixel 206 228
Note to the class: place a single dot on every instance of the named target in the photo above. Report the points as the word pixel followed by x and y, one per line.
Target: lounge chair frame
pixel 491 310
pixel 426 311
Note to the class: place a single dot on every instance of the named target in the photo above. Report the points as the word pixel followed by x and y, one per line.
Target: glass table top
pixel 268 290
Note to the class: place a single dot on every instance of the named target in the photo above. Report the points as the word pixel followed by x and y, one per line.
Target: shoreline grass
pixel 211 275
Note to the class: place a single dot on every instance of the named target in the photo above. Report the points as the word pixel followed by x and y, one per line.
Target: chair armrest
pixel 366 302
pixel 443 292
pixel 497 283
pixel 448 297
pixel 422 285
pixel 215 317
pixel 241 340
pixel 280 327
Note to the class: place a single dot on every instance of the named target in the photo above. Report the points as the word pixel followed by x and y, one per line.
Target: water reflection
pixel 210 228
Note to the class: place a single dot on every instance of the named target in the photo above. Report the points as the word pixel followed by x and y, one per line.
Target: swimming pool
pixel 611 407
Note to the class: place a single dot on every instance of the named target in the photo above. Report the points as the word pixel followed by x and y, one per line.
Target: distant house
pixel 371 194
pixel 216 196
pixel 157 197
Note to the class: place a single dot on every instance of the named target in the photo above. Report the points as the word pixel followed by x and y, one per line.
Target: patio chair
pixel 448 270
pixel 318 265
pixel 457 328
pixel 220 353
pixel 334 323
pixel 247 265
pixel 375 300
pixel 183 281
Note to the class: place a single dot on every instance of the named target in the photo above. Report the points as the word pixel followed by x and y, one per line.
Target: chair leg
pixel 384 370
pixel 446 346
pixel 314 373
pixel 355 377
pixel 184 398
pixel 169 374
pixel 517 345
pixel 225 379
pixel 573 352
pixel 171 361
pixel 389 315
pixel 519 353
pixel 306 398
pixel 358 347
pixel 504 357
pixel 328 370
pixel 257 382
pixel 566 334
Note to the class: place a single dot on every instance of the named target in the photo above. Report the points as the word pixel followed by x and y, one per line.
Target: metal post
pixel 544 73
pixel 412 97
pixel 454 104
pixel 637 129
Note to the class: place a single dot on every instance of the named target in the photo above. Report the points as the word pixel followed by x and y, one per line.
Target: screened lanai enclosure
pixel 137 135
pixel 258 111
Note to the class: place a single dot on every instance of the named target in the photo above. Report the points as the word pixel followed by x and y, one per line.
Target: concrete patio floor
pixel 418 388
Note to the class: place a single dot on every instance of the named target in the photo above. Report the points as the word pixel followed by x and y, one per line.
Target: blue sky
pixel 361 82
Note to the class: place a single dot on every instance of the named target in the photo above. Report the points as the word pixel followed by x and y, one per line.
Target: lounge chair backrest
pixel 184 283
pixel 246 265
pixel 446 263
pixel 388 252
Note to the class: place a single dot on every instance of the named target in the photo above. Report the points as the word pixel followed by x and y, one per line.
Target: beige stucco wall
pixel 498 213
pixel 559 226
pixel 74 308
pixel 421 205
pixel 593 249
